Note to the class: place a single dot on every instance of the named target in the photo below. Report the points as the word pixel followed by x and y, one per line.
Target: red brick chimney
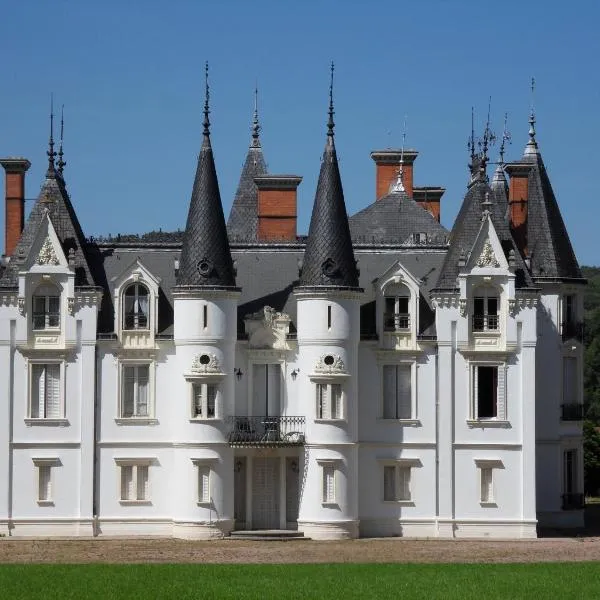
pixel 518 193
pixel 14 217
pixel 429 198
pixel 277 202
pixel 387 164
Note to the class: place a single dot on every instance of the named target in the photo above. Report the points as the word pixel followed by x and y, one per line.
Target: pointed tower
pixel 243 218
pixel 205 334
pixel 328 300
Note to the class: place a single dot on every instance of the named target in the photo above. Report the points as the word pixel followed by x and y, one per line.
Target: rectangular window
pixel 397 316
pixel 486 485
pixel 44 483
pixel 266 389
pixel 569 308
pixel 134 483
pixel 203 483
pixel 488 389
pixel 329 401
pixel 328 484
pixel 46 312
pixel 329 317
pixel 570 471
pixel 485 313
pixel 396 483
pixel 45 391
pixel 205 401
pixel 397 393
pixel 135 391
pixel 570 395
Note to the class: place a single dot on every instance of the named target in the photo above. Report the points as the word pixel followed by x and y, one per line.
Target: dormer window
pixel 46 307
pixel 135 307
pixel 485 309
pixel 396 313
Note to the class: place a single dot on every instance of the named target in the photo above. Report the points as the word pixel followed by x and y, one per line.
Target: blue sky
pixel 130 75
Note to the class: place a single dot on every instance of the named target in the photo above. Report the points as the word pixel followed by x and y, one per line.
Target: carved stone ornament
pixel 47 255
pixel 21 305
pixel 462 306
pixel 330 364
pixel 513 307
pixel 267 328
pixel 487 258
pixel 205 364
pixel 71 305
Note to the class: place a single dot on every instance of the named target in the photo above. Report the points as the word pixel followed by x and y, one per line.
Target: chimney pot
pixel 15 169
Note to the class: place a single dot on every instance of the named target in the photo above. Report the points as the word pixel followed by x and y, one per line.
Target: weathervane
pixel 505 138
pixel 398 186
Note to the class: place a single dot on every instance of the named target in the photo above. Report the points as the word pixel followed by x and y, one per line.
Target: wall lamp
pixel 238 373
pixel 294 374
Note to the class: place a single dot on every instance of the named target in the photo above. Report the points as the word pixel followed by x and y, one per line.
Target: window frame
pixel 45 465
pixel 323 409
pixel 151 394
pixel 501 404
pixel 136 315
pixel 204 494
pixel 485 293
pixel 413 408
pixel 401 321
pixel 61 417
pixel 404 466
pixel 134 464
pixel 46 313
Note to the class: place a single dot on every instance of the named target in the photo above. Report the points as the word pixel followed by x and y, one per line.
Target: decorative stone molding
pixel 47 254
pixel 462 307
pixel 446 301
pixel 330 364
pixel 70 305
pixel 267 328
pixel 516 304
pixel 205 364
pixel 21 304
pixel 88 298
pixel 8 299
pixel 512 307
pixel 487 258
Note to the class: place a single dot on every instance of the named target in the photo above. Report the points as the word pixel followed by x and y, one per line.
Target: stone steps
pixel 268 535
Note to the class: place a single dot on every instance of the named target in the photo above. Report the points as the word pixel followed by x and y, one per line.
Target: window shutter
pixel 128 391
pixel 142 482
pixel 203 483
pixel 53 392
pixel 403 483
pixel 197 409
pixel 328 483
pixel 486 484
pixel 501 393
pixel 336 401
pixel 321 399
pixel 126 483
pixel 475 402
pixel 37 390
pixel 404 391
pixel 389 483
pixel 389 392
pixel 143 375
pixel 211 401
pixel 259 389
pixel 45 483
pixel 274 389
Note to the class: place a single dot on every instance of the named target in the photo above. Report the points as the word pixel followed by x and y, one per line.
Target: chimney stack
pixel 388 163
pixel 429 198
pixel 14 216
pixel 518 194
pixel 277 203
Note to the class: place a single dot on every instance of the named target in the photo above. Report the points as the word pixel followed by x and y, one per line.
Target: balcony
pixel 266 431
pixel 571 412
pixel 573 502
pixel 485 322
pixel 572 330
pixel 396 322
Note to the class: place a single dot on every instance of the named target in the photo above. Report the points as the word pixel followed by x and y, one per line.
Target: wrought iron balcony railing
pixel 485 322
pixel 266 431
pixel 396 322
pixel 572 330
pixel 571 412
pixel 573 501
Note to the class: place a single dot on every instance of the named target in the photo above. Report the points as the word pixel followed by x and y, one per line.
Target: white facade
pixel 202 433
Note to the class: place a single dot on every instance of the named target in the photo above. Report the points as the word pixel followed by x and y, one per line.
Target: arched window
pixel 396 316
pixel 485 308
pixel 46 307
pixel 135 307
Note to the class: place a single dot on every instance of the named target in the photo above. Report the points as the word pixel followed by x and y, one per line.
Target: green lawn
pixel 347 581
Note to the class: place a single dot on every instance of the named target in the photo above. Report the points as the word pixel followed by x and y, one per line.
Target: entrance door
pixel 266 387
pixel 239 492
pixel 265 493
pixel 292 491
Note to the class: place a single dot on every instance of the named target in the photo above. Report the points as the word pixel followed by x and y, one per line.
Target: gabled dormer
pixel 136 292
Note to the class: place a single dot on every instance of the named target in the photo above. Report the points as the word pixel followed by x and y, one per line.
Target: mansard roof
pixel 548 243
pixel 465 231
pixel 53 200
pixel 395 219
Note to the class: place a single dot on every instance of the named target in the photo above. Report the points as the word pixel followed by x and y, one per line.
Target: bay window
pixel 46 307
pixel 135 307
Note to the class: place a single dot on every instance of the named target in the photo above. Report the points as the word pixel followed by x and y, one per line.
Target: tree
pixel 591 452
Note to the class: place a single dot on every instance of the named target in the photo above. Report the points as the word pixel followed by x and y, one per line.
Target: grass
pixel 347 581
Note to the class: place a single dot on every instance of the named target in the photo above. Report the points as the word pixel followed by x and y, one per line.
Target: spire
pixel 398 185
pixel 51 154
pixel 499 180
pixel 255 123
pixel 206 131
pixel 61 163
pixel 205 257
pixel 329 258
pixel 531 147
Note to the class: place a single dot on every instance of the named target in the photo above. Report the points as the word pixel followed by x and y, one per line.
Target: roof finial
pixel 398 185
pixel 531 147
pixel 488 138
pixel 471 142
pixel 51 154
pixel 61 163
pixel 330 123
pixel 206 131
pixel 255 123
pixel 505 138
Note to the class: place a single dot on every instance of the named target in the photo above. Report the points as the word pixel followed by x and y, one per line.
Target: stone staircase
pixel 268 535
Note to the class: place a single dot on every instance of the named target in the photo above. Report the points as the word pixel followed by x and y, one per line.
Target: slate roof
pixel 53 198
pixel 465 230
pixel 499 187
pixel 205 256
pixel 548 242
pixel 329 258
pixel 395 219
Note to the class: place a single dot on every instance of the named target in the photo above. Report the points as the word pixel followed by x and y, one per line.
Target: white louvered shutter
pixel 475 402
pixel 143 377
pixel 142 482
pixel 336 401
pixel 127 482
pixel 322 401
pixel 501 394
pixel 128 391
pixel 203 483
pixel 197 412
pixel 403 483
pixel 53 404
pixel 45 483
pixel 404 377
pixel 328 483
pixel 211 400
pixel 389 392
pixel 389 483
pixel 38 378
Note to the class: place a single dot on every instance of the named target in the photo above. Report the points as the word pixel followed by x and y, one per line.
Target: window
pixel 570 471
pixel 397 396
pixel 486 482
pixel 45 391
pixel 485 309
pixel 46 308
pixel 570 395
pixel 329 401
pixel 203 483
pixel 205 400
pixel 488 392
pixel 396 312
pixel 396 483
pixel 569 311
pixel 329 317
pixel 135 391
pixel 135 307
pixel 134 483
pixel 329 483
pixel 266 389
pixel 44 483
